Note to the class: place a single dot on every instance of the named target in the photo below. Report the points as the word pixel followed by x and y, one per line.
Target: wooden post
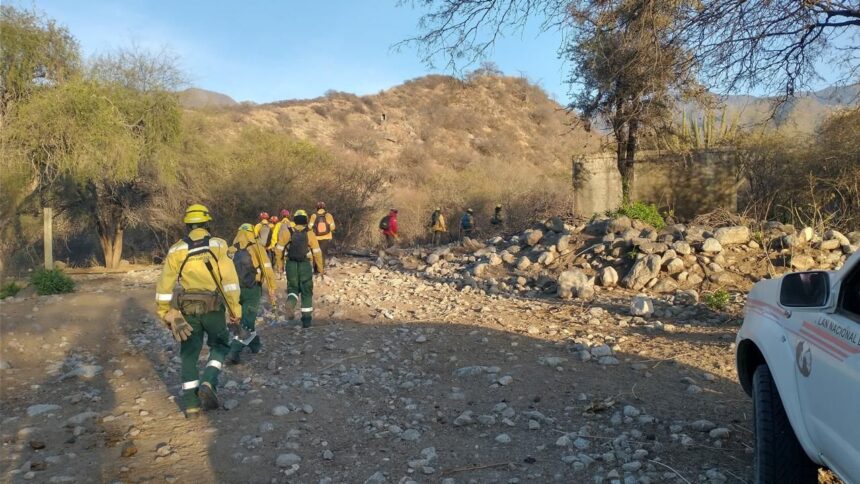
pixel 49 238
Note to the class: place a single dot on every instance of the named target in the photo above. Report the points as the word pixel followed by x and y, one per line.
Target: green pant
pixel 249 298
pixel 300 282
pixel 214 325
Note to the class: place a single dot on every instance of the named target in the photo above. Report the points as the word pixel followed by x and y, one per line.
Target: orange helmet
pixel 264 215
pixel 274 219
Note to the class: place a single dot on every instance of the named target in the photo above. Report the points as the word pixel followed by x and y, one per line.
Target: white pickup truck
pixel 798 357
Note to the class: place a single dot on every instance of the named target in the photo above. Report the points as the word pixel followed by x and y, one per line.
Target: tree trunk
pixel 626 166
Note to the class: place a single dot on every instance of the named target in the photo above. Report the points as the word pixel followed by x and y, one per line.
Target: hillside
pixel 201 98
pixel 437 139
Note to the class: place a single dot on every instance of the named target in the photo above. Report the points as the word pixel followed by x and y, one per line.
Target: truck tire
pixel 779 457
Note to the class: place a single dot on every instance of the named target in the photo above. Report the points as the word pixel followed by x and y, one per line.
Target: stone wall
pixel 687 184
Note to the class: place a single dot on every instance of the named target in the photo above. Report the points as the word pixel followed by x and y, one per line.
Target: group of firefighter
pixel 213 274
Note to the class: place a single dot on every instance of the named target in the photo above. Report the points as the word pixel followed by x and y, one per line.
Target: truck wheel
pixel 779 458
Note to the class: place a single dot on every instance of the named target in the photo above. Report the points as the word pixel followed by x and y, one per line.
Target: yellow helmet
pixel 300 213
pixel 246 227
pixel 196 214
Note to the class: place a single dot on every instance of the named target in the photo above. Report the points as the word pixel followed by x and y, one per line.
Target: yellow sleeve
pixel 312 220
pixel 330 221
pixel 164 287
pixel 229 280
pixel 257 230
pixel 265 266
pixel 276 228
pixel 442 221
pixel 283 241
pixel 314 246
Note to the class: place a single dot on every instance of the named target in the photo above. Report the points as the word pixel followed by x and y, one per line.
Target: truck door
pixel 827 368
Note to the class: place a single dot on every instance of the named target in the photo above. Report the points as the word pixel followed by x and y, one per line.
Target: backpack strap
pixel 195 247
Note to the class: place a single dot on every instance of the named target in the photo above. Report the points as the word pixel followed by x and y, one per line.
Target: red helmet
pixel 320 204
pixel 274 219
pixel 285 213
pixel 264 215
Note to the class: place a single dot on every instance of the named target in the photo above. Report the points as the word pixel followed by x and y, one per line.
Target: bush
pixel 9 290
pixel 52 281
pixel 645 212
pixel 717 300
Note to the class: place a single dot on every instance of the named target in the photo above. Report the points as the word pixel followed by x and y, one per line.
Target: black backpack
pixel 245 268
pixel 298 249
pixel 385 223
pixel 266 235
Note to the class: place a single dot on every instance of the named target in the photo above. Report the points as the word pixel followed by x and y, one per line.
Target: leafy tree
pixel 34 52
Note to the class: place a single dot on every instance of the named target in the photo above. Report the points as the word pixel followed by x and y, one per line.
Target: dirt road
pixel 401 379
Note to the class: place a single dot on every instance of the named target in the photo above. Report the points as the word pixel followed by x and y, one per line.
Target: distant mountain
pixel 201 98
pixel 801 114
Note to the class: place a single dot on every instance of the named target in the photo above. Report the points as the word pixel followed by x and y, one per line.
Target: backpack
pixel 434 219
pixel 467 223
pixel 321 225
pixel 266 235
pixel 245 268
pixel 385 223
pixel 298 249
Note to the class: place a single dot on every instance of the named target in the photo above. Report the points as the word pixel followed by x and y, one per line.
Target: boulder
pixel 533 236
pixel 480 269
pixel 494 260
pixel 508 258
pixel 642 271
pixel 682 248
pixel 575 283
pixel 737 234
pixel 563 243
pixel 802 262
pixel 805 235
pixel 712 246
pixel 675 265
pixel 556 224
pixel 665 285
pixel 830 244
pixel 641 306
pixel 523 263
pixel 607 277
pixel 649 247
pixel 836 235
pixel 546 258
pixel 432 258
pixel 619 224
pixel 472 245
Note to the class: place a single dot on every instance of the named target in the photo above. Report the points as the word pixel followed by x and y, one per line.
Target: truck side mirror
pixel 805 289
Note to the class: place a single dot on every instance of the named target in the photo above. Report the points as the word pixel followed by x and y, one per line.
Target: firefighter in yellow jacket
pixel 304 257
pixel 255 272
pixel 208 281
pixel 322 224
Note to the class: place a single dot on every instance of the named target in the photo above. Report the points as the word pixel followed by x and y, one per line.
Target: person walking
pixel 304 258
pixel 254 271
pixel 498 221
pixel 389 228
pixel 207 281
pixel 323 226
pixel 437 226
pixel 467 224
pixel 280 238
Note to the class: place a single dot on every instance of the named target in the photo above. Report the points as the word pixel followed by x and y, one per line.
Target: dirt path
pixel 401 379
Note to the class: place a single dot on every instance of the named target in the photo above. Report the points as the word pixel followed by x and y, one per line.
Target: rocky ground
pixel 418 369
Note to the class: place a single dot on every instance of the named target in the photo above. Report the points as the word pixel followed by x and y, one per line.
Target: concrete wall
pixel 688 184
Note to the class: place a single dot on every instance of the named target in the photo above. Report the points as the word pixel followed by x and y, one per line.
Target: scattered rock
pixel 641 306
pixel 287 460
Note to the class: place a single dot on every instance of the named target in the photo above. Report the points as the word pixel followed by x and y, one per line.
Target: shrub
pixel 9 290
pixel 717 300
pixel 52 281
pixel 645 212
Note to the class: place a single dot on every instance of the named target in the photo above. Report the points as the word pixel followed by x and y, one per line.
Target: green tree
pixel 34 52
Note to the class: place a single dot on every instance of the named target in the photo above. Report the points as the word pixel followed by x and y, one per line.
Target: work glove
pixel 178 326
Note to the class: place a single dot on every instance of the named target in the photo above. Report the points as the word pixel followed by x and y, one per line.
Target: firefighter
pixel 254 271
pixel 304 258
pixel 207 281
pixel 467 224
pixel 281 237
pixel 437 225
pixel 498 220
pixel 264 220
pixel 323 226
pixel 389 228
pixel 285 217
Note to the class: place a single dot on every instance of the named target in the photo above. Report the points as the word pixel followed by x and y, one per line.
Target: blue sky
pixel 272 50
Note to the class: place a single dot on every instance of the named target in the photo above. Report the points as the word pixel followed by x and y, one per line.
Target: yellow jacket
pixel 195 274
pixel 312 223
pixel 275 231
pixel 440 226
pixel 314 255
